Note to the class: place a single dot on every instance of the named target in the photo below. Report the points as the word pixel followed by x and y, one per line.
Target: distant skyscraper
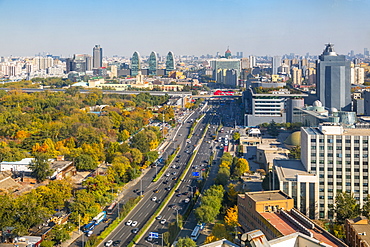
pixel 97 57
pixel 170 62
pixel 135 63
pixel 366 52
pixel 252 61
pixel 357 75
pixel 276 63
pixel 153 63
pixel 333 80
pixel 79 63
pixel 297 76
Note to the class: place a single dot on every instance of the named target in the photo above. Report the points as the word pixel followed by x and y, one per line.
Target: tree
pixel 206 214
pixel 231 217
pixel 40 167
pixel 186 242
pixel 241 167
pixel 59 234
pixel 85 162
pixel 345 207
pixel 366 208
pixel 295 153
pixel 236 136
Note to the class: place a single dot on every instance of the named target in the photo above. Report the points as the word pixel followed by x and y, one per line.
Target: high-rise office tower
pixel 97 57
pixel 333 80
pixel 357 75
pixel 135 63
pixel 297 76
pixel 170 62
pixel 276 63
pixel 252 61
pixel 153 62
pixel 366 52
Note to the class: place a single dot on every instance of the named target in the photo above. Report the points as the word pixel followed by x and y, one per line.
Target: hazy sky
pixel 186 27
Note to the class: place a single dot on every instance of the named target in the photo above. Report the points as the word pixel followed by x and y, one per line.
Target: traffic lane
pixel 170 214
pixel 177 201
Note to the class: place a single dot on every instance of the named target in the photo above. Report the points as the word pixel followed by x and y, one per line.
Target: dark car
pixel 174 178
pixel 117 242
pixel 177 190
pixel 185 193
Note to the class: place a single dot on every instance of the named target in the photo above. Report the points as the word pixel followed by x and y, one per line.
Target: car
pixel 135 191
pixel 159 201
pixel 150 239
pixel 185 193
pixel 187 200
pixel 107 220
pixel 165 182
pixel 171 205
pixel 177 190
pixel 174 173
pixel 156 190
pixel 168 188
pixel 174 166
pixel 174 178
pixel 128 223
pixel 134 223
pixel 163 221
pixel 116 243
pixel 167 174
pixel 89 233
pixel 109 243
pixel 178 195
pixel 154 199
pixel 135 230
pixel 158 217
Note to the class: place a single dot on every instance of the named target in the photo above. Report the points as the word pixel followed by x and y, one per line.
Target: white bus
pixel 196 232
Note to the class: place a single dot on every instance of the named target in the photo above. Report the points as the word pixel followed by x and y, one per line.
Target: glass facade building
pixel 170 62
pixel 153 63
pixel 135 63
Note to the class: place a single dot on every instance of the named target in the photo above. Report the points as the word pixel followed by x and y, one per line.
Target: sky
pixel 186 27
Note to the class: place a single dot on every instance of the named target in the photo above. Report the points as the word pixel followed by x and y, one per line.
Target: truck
pixel 99 218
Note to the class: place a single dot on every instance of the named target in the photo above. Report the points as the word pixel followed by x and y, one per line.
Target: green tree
pixel 345 207
pixel 47 243
pixel 206 214
pixel 236 136
pixel 186 242
pixel 85 162
pixel 40 167
pixel 59 234
pixel 295 153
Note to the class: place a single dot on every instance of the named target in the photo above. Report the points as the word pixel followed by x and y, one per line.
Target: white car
pixel 167 174
pixel 109 243
pixel 134 223
pixel 163 221
pixel 128 223
pixel 154 199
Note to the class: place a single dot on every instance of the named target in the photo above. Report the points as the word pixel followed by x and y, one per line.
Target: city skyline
pixel 193 28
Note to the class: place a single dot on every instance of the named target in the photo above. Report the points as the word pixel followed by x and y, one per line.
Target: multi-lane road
pixel 155 192
pixel 147 206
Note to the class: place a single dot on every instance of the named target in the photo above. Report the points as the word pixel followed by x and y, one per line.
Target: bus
pixel 89 227
pixel 196 232
pixel 111 208
pixel 99 218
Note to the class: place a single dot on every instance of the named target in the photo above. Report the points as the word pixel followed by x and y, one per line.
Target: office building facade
pixel 153 63
pixel 276 63
pixel 97 57
pixel 135 63
pixel 340 158
pixel 222 66
pixel 170 62
pixel 333 80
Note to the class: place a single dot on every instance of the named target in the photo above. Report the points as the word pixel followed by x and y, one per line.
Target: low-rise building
pixel 274 214
pixel 358 232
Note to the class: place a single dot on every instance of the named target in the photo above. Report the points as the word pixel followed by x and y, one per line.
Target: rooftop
pixel 360 228
pixel 268 195
pixel 286 227
pixel 289 169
